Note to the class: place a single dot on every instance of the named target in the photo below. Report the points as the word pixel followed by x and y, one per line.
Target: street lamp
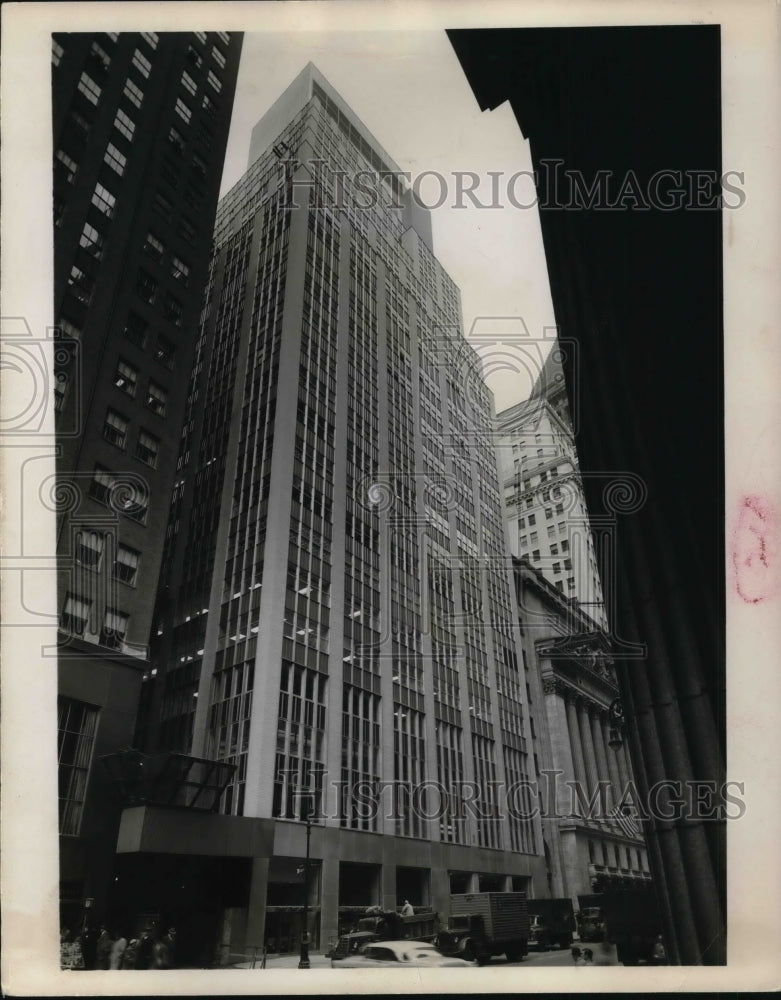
pixel 615 736
pixel 305 812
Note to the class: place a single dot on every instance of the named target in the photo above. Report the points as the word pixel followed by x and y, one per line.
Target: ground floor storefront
pixel 236 888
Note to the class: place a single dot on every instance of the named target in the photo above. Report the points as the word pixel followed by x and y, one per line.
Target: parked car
pixel 410 953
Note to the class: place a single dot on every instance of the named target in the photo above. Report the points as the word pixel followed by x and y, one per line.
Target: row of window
pixel 115 428
pixel 75 618
pixel 126 379
pixel 89 549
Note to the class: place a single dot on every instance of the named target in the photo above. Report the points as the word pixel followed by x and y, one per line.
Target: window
pixel 147 448
pixel 133 93
pixel 557 567
pixel 218 57
pixel 556 492
pixel 521 522
pixel 142 64
pixel 199 167
pixel 115 428
pixel 554 550
pixel 571 582
pixel 135 329
pixel 89 88
pixel 153 246
pixel 75 615
pixel 209 106
pixel 567 564
pixel 57 52
pixel 214 81
pixel 126 377
pixel 548 514
pixel 146 286
pixel 89 548
pixel 176 140
pixel 172 310
pixel 104 200
pixel 76 726
pixel 126 565
pixel 533 537
pixel 565 545
pixel 536 555
pixel 183 111
pixel 60 389
pixel 68 329
pixel 180 270
pixel 551 531
pixel 193 57
pixel 165 351
pixel 124 125
pixel 201 36
pixel 224 37
pixel 91 240
pixel 150 37
pixel 532 520
pixel 81 284
pixel 115 159
pixel 561 526
pixel 100 54
pixel 156 398
pixel 163 205
pixel 114 628
pixel 187 231
pixel 68 167
pixel 188 83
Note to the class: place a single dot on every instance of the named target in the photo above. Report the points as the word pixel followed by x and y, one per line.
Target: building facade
pixel 544 505
pixel 140 125
pixel 590 821
pixel 335 620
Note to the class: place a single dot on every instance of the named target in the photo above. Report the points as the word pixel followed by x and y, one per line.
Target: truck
pixel 483 924
pixel 551 922
pixel 633 924
pixel 386 925
pixel 591 926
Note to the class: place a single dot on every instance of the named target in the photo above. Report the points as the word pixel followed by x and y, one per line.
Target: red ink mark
pixel 754 550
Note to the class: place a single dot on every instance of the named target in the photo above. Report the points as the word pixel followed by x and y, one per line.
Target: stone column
pixel 588 748
pixel 256 907
pixel 577 751
pixel 329 902
pixel 599 747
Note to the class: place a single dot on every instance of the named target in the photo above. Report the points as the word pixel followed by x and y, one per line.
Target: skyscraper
pixel 544 505
pixel 140 124
pixel 336 620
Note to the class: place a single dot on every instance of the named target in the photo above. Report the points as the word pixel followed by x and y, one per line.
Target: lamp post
pixel 307 808
pixel 615 738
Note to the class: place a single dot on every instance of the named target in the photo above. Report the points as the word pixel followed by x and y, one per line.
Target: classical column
pixel 588 747
pixel 577 750
pixel 599 747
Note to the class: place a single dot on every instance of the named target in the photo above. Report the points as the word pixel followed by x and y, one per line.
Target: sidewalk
pixel 316 961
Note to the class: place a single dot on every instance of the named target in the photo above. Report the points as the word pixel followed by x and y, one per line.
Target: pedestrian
pixel 146 943
pixel 408 909
pixel 89 944
pixel 118 947
pixel 163 950
pixel 103 949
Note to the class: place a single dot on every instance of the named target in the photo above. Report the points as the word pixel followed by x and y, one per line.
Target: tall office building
pixel 544 505
pixel 140 125
pixel 336 614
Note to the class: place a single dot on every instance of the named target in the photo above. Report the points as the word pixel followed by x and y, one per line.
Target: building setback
pixel 140 125
pixel 544 505
pixel 336 612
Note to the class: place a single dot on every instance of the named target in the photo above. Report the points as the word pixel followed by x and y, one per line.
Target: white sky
pixel 409 90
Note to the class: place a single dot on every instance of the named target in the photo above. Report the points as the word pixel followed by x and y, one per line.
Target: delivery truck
pixel 483 924
pixel 551 922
